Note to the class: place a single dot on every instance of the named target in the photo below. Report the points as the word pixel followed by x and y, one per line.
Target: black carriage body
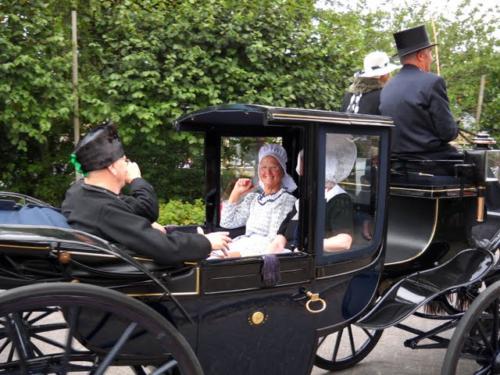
pixel 235 321
pixel 431 217
pixel 248 328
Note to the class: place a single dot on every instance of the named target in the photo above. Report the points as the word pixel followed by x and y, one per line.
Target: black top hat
pixel 99 148
pixel 412 40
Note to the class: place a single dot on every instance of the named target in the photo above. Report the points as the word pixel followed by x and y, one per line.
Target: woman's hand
pixel 241 187
pixel 340 242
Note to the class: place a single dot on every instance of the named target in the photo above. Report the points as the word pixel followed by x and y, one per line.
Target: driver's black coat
pixel 126 220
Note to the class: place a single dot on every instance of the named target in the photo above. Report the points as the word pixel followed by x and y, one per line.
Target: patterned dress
pixel 261 214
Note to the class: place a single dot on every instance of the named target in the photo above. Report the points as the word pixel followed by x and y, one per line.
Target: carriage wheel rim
pixel 138 321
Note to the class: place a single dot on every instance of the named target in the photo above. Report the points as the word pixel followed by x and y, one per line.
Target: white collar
pixel 336 190
pixel 262 199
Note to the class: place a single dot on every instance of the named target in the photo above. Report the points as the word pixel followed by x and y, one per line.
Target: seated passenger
pixel 288 233
pixel 262 210
pixel 338 219
pixel 96 205
pixel 340 158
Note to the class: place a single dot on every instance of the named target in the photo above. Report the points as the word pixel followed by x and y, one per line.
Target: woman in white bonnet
pixel 263 210
pixel 340 157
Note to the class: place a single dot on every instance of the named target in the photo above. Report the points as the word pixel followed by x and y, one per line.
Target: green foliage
pixel 468 48
pixel 35 96
pixel 163 165
pixel 182 213
pixel 471 42
pixel 144 63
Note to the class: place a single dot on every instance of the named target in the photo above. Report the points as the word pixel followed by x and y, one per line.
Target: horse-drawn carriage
pixel 76 303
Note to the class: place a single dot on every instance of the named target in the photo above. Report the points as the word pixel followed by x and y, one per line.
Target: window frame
pixel 374 247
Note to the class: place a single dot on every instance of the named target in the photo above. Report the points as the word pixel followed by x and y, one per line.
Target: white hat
pixel 279 153
pixel 340 157
pixel 377 64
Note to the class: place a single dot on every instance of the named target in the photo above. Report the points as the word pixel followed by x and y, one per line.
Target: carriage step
pixel 414 291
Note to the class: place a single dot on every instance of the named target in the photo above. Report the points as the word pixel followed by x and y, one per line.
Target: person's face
pixel 270 173
pixel 426 59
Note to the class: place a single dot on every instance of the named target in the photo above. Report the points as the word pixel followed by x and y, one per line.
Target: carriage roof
pixel 245 115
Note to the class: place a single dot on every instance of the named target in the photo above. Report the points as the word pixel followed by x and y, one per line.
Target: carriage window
pixel 239 159
pixel 350 181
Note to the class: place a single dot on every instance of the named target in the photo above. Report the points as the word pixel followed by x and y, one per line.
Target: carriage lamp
pixel 487 163
pixel 483 140
pixel 492 172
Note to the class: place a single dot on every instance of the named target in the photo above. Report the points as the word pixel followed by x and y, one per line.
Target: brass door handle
pixel 314 298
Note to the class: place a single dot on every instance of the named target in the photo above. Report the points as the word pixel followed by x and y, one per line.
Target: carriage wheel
pixel 62 328
pixel 475 344
pixel 345 348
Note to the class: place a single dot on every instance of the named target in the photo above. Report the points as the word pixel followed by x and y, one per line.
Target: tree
pixel 468 47
pixel 144 63
pixel 35 96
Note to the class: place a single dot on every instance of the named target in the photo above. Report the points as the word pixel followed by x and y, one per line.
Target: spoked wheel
pixel 474 347
pixel 62 328
pixel 345 348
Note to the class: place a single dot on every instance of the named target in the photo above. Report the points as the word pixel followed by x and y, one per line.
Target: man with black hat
pixel 95 205
pixel 418 103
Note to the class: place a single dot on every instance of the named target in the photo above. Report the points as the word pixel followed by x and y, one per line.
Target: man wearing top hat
pixel 418 103
pixel 95 204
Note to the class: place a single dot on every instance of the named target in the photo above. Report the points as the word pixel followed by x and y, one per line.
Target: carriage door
pixel 350 209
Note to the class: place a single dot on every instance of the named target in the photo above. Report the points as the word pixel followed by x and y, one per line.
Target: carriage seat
pixel 13 213
pixel 427 172
pixel 45 228
pixel 33 237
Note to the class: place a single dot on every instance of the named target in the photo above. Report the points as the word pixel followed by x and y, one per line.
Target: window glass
pixel 350 189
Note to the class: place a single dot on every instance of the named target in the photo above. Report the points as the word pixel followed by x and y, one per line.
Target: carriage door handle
pixel 315 300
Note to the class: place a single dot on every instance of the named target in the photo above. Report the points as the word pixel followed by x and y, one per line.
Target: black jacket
pixel 362 96
pixel 418 103
pixel 368 102
pixel 126 220
pixel 338 219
